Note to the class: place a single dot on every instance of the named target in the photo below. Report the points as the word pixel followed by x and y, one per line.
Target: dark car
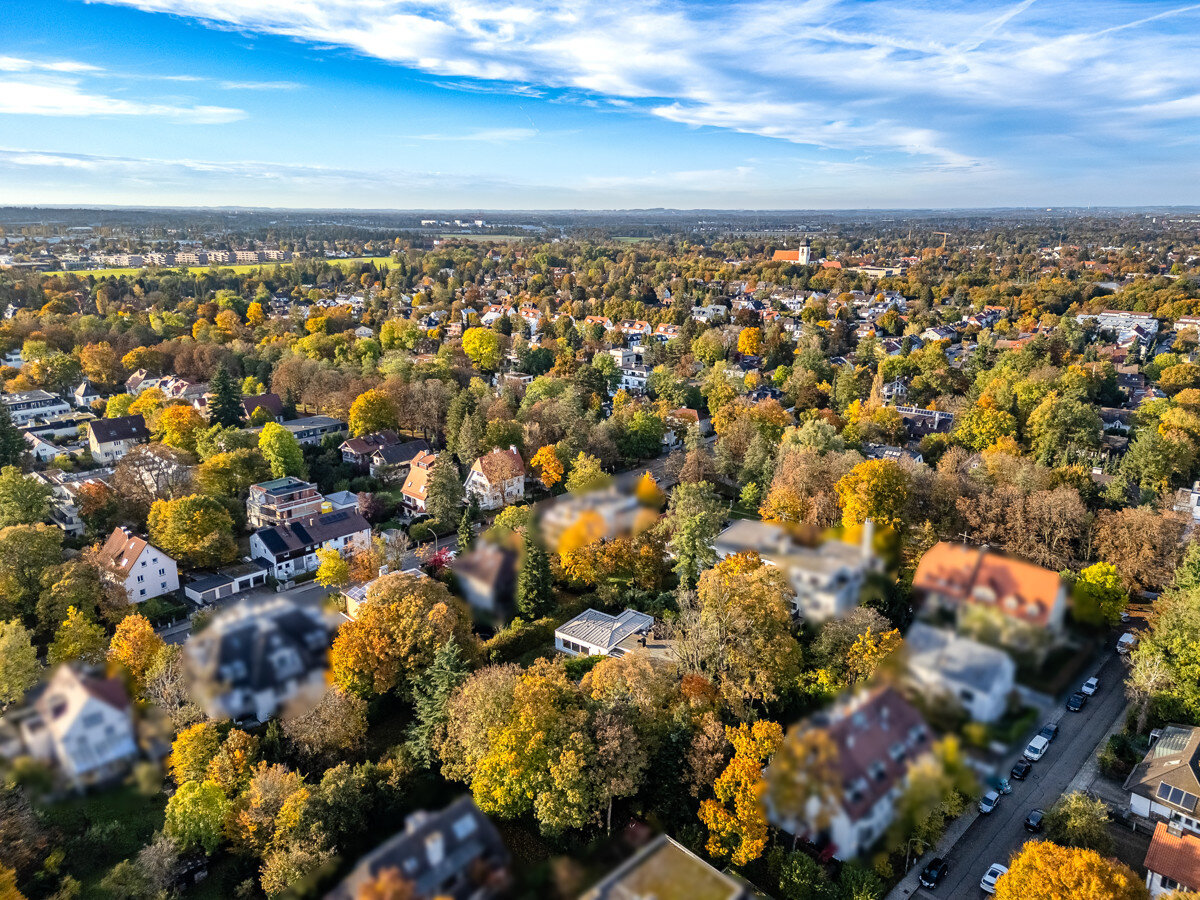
pixel 1049 731
pixel 1033 821
pixel 1022 768
pixel 933 874
pixel 1076 701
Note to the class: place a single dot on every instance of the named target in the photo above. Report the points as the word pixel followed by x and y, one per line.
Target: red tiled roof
pixel 500 465
pixel 1017 588
pixel 1175 855
pixel 122 549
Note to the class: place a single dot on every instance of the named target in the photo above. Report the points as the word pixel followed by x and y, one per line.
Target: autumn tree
pixel 737 818
pixel 876 489
pixel 749 340
pixel 134 646
pixel 152 472
pixel 232 473
pixel 27 553
pixel 192 751
pixel 482 345
pixel 334 570
pixel 373 411
pixel 282 451
pixel 195 815
pixel 334 729
pixel 546 463
pixel 399 629
pixel 196 530
pixel 1043 870
pixel 804 781
pixel 78 638
pixel 1142 544
pixel 1077 820
pixel 179 427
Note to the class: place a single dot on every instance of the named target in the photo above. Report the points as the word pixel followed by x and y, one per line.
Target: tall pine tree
pixel 225 407
pixel 431 697
pixel 12 444
pixel 535 595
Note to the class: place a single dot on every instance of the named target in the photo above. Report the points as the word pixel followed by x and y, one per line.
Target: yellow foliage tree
pixel 1046 871
pixel 334 570
pixel 737 818
pixel 192 751
pixel 548 466
pixel 134 645
pixel 749 340
pixel 876 489
pixel 869 651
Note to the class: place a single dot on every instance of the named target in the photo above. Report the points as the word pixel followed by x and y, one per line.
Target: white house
pixel 143 569
pixel 110 439
pixel 595 633
pixel 949 667
pixel 828 579
pixel 291 549
pixel 878 735
pixel 1172 861
pixel 25 406
pixel 79 723
pixel 1165 785
pixel 497 479
pixel 415 493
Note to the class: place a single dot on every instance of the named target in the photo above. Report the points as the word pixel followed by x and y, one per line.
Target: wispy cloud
pixel 16 64
pixel 484 136
pixel 260 85
pixel 28 97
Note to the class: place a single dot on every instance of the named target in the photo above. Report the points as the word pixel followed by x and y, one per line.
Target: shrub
pixel 518 638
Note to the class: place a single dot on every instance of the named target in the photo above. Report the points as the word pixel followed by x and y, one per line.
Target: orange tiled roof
pixel 1175 855
pixel 786 256
pixel 970 574
pixel 500 465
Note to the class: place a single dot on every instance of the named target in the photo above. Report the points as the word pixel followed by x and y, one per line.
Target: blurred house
pixel 140 567
pixel 828 579
pixel 282 500
pixel 878 734
pixel 289 550
pixel 254 657
pixel 110 439
pixel 613 513
pixel 1172 861
pixel 664 868
pixel 1020 605
pixel 78 723
pixel 595 633
pixel 497 479
pixel 455 852
pixel 947 667
pixel 487 578
pixel 1165 785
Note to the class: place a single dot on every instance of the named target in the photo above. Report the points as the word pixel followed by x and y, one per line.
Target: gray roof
pixel 1174 760
pixel 297 535
pixel 957 658
pixel 121 428
pixel 602 630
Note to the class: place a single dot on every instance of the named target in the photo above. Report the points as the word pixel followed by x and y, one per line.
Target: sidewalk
pixel 910 883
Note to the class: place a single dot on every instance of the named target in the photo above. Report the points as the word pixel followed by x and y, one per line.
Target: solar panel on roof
pixel 340 516
pixel 1177 796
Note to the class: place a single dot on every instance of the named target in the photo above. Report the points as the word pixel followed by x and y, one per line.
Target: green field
pixel 245 269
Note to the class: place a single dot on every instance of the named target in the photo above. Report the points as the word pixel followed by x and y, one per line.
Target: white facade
pixel 26 406
pixel 595 633
pixel 947 666
pixel 152 574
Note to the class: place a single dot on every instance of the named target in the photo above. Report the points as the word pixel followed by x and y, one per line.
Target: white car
pixel 1036 749
pixel 991 876
pixel 1091 686
pixel 989 802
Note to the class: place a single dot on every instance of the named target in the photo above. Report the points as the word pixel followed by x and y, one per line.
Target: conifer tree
pixel 225 408
pixel 431 699
pixel 534 581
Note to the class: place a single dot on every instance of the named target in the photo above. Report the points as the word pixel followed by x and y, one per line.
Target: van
pixel 1036 749
pixel 1126 642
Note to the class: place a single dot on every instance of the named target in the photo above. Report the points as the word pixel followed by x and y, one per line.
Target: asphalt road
pixel 995 837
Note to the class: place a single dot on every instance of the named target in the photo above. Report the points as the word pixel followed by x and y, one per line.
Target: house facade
pixel 497 479
pixel 140 567
pixel 282 500
pixel 291 549
pixel 25 406
pixel 110 439
pixel 1165 785
pixel 415 492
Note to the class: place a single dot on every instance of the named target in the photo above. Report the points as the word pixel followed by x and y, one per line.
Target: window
pixel 141 578
pixel 162 571
pixel 142 592
pixel 143 564
pixel 1169 883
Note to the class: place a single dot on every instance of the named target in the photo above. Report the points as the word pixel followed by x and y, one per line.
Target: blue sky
pixel 587 104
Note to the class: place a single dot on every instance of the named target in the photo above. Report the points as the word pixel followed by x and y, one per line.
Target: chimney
pixel 868 539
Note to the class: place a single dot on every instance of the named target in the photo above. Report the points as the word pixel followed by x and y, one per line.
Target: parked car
pixel 1036 748
pixel 991 876
pixel 1033 821
pixel 989 802
pixel 1049 731
pixel 1076 701
pixel 1126 642
pixel 933 874
pixel 1091 685
pixel 1021 769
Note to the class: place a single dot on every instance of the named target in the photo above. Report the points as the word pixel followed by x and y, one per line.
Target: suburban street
pixel 994 838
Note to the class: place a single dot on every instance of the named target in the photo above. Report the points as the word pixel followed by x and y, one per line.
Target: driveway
pixel 995 837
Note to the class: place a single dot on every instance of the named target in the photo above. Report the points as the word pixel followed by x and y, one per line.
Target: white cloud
pixel 30 97
pixel 485 136
pixel 259 85
pixel 15 64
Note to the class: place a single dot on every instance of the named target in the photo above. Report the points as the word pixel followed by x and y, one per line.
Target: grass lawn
pixel 99 830
pixel 243 269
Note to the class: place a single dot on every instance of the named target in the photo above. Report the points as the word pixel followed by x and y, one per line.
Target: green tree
pixel 373 411
pixel 693 521
pixel 445 494
pixel 23 500
pixel 1100 596
pixel 1077 820
pixel 466 534
pixel 225 406
pixel 282 451
pixel 196 530
pixel 1059 423
pixel 232 473
pixel 432 690
pixel 27 552
pixel 586 474
pixel 78 638
pixel 196 816
pixel 535 593
pixel 19 666
pixel 12 442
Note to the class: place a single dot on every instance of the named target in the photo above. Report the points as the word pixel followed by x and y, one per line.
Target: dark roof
pixel 369 442
pixel 270 402
pixel 122 428
pixel 397 454
pixel 296 535
pixel 433 849
pixel 1174 760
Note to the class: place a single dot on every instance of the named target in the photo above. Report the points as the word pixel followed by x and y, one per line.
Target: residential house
pixel 635 326
pixel 254 657
pixel 415 492
pixel 1165 785
pixel 878 735
pixel 921 422
pixel 599 320
pixel 634 378
pixel 828 577
pixel 1024 606
pixel 25 406
pixel 110 439
pixel 1172 861
pixel 291 549
pixel 341 500
pixel 84 395
pixel 79 723
pixel 666 332
pixel 487 578
pixel 357 451
pixel 394 461
pixel 226 582
pixel 272 404
pixel 1187 500
pixel 664 868
pixel 455 853
pixel 894 391
pixel 140 567
pixel 595 633
pixel 42 449
pixel 679 422
pixel 312 429
pixel 282 500
pixel 64 504
pixel 949 668
pixel 626 357
pixel 497 479
pixel 710 312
